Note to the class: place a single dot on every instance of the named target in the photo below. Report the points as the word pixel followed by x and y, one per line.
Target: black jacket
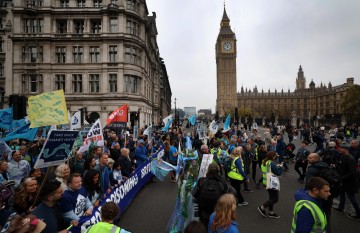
pixel 347 172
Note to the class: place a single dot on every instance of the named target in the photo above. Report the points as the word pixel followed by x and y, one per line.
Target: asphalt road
pixel 151 209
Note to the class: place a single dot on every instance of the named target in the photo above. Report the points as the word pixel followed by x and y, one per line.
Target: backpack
pixel 227 164
pixel 333 178
pixel 211 190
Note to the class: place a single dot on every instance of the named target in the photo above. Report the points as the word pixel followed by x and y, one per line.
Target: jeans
pixel 273 198
pixel 352 199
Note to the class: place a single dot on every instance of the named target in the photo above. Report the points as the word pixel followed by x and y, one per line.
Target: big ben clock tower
pixel 226 67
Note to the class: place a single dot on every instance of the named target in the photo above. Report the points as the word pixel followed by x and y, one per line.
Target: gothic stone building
pixel 103 53
pixel 322 101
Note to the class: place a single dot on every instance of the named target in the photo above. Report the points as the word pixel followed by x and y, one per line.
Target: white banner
pixel 94 135
pixel 166 119
pixel 148 130
pixel 205 162
pixel 75 121
pixel 213 127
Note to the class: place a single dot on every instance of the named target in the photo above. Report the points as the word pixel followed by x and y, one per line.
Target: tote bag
pixel 272 181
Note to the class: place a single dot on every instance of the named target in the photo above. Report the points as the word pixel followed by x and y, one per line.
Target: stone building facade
pixel 315 102
pixel 103 53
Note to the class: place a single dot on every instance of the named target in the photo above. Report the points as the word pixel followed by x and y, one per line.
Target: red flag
pixel 119 115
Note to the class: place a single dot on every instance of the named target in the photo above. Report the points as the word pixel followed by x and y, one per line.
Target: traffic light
pixel 19 106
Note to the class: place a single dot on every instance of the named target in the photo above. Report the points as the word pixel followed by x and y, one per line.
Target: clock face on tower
pixel 227 46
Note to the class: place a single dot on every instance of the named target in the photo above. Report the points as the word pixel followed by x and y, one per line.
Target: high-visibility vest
pixel 103 227
pixel 318 215
pixel 265 169
pixel 234 172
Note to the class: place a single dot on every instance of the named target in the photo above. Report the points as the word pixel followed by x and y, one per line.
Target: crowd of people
pixel 59 196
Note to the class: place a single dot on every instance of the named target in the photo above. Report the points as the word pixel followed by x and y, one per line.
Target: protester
pixel 18 168
pixel 49 210
pixel 75 201
pixel 38 174
pixel 301 159
pixel 24 196
pixel 347 172
pixel 208 190
pixel 89 164
pixel 102 167
pixel 308 213
pixel 92 187
pixel 62 172
pixel 141 153
pixel 173 153
pixel 269 165
pixel 76 164
pixel 5 177
pixel 237 175
pixel 223 219
pixel 280 150
pixel 108 213
pixel 125 162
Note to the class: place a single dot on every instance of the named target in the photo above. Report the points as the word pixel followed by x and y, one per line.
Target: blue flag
pixel 23 132
pixel 227 124
pixel 18 123
pixel 6 116
pixel 166 127
pixel 192 119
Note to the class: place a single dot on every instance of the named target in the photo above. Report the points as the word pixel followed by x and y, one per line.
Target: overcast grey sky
pixel 273 38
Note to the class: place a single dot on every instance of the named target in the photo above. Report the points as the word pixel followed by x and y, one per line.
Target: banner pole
pixel 42 185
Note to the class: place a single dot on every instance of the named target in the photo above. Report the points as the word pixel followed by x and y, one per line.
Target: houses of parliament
pixel 312 101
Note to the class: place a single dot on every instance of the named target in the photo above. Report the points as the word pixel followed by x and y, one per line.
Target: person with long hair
pixel 92 187
pixel 25 195
pixel 62 172
pixel 237 175
pixel 261 156
pixel 89 164
pixel 125 162
pixel 269 164
pixel 223 218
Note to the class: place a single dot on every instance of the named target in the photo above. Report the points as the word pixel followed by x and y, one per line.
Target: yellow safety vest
pixel 318 215
pixel 264 170
pixel 234 173
pixel 103 227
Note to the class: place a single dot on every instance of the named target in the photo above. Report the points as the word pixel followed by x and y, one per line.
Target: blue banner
pixel 192 119
pixel 23 132
pixel 227 123
pixel 18 123
pixel 6 116
pixel 122 195
pixel 166 127
pixel 57 148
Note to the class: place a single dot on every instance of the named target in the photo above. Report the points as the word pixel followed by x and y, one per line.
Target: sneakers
pixel 262 212
pixel 339 211
pixel 243 203
pixel 273 215
pixel 248 191
pixel 356 217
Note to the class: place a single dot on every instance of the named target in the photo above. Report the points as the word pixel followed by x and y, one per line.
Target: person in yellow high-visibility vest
pixel 268 164
pixel 237 174
pixel 108 212
pixel 309 216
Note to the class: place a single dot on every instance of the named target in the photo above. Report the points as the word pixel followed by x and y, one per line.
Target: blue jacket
pixel 141 156
pixel 305 220
pixel 280 147
pixel 233 228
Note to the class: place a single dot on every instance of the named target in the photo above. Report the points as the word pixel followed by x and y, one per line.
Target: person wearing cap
pixel 301 159
pixel 48 210
pixel 108 213
pixel 141 153
pixel 330 155
pixel 347 172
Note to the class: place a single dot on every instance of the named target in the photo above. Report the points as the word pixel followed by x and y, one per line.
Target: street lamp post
pixel 175 112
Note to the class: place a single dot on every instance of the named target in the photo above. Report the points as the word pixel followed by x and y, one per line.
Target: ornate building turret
pixel 300 81
pixel 226 67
